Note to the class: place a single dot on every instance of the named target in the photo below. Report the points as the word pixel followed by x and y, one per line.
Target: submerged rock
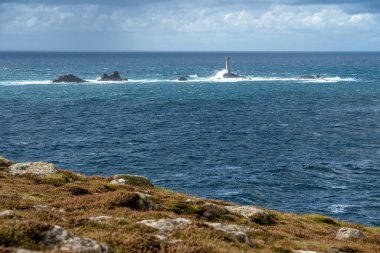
pixel 349 233
pixel 115 76
pixel 69 78
pixel 310 77
pixel 182 78
pixel 62 240
pixel 134 180
pixel 37 168
pixel 253 213
pixel 240 232
pixel 165 226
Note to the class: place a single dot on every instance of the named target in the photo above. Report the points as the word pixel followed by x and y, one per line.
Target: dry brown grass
pixel 83 197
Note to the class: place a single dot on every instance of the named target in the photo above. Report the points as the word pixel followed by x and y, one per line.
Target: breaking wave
pixel 217 77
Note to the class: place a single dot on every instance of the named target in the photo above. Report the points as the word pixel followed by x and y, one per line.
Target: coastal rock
pixel 306 251
pixel 239 232
pixel 232 75
pixel 310 77
pixel 349 233
pixel 253 213
pixel 62 240
pixel 9 214
pixel 115 76
pixel 182 78
pixel 141 202
pixel 49 208
pixel 26 251
pixel 165 226
pixel 37 168
pixel 101 218
pixel 68 78
pixel 134 180
pixel 212 210
pixel 5 163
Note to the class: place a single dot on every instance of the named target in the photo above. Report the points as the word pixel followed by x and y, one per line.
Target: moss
pixel 23 235
pixel 78 190
pixel 134 180
pixel 321 219
pixel 263 219
pixel 187 208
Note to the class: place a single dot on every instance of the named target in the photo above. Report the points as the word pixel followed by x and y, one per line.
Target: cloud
pixel 190 24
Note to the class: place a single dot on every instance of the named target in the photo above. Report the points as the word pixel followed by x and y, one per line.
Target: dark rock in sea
pixel 232 75
pixel 115 76
pixel 68 78
pixel 182 78
pixel 310 77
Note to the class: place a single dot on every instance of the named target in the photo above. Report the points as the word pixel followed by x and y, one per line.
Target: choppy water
pixel 274 140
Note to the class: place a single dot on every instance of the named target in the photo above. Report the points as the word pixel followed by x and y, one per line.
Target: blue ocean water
pixel 304 146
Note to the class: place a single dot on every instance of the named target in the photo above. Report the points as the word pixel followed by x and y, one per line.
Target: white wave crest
pixel 217 77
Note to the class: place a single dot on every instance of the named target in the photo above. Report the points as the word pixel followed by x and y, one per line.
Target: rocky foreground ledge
pixel 45 209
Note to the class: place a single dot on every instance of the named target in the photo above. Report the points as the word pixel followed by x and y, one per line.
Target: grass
pixel 83 197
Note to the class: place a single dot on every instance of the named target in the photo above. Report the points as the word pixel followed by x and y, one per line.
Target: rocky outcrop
pixel 5 163
pixel 134 180
pixel 240 232
pixel 253 213
pixel 165 226
pixel 349 233
pixel 69 78
pixel 26 251
pixel 37 168
pixel 9 214
pixel 306 251
pixel 49 208
pixel 212 210
pixel 310 77
pixel 232 75
pixel 182 79
pixel 141 202
pixel 115 76
pixel 101 218
pixel 62 240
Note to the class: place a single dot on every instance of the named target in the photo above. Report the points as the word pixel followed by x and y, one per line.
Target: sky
pixel 190 25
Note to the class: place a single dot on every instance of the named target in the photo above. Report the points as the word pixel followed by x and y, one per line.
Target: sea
pixel 274 139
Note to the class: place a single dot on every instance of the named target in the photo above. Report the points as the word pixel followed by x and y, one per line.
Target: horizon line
pixel 185 51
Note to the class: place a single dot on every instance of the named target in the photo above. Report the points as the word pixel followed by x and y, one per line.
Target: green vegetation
pixel 68 200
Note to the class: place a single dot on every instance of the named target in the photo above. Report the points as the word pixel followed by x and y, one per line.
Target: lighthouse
pixel 228 64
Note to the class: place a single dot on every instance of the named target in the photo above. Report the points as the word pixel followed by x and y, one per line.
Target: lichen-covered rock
pixel 26 251
pixel 240 232
pixel 165 226
pixel 212 210
pixel 49 208
pixel 306 251
pixel 134 180
pixel 253 213
pixel 60 239
pixel 349 233
pixel 9 214
pixel 101 218
pixel 37 168
pixel 5 163
pixel 141 202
